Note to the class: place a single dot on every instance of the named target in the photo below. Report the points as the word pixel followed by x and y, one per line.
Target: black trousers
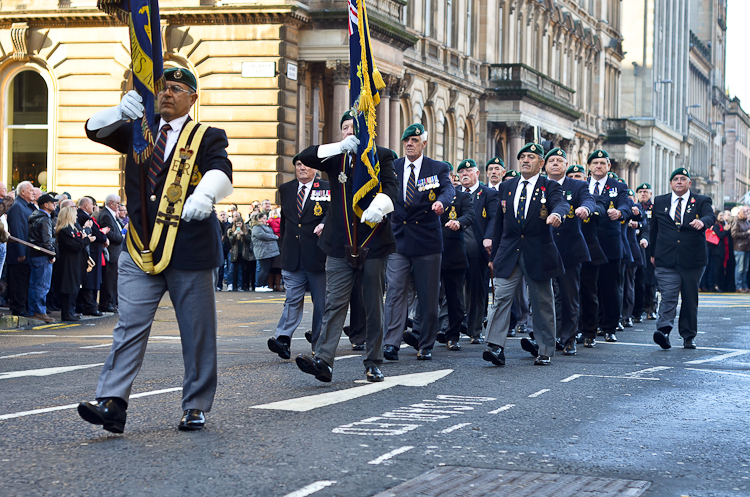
pixel 610 293
pixel 86 301
pixel 589 299
pixel 18 288
pixel 67 304
pixel 453 280
pixel 567 302
pixel 717 271
pixel 477 281
pixel 108 291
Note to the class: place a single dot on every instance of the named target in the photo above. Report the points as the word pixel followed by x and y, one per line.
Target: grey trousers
pixel 523 304
pixel 426 271
pixel 339 281
pixel 542 300
pixel 296 283
pixel 671 283
pixel 192 294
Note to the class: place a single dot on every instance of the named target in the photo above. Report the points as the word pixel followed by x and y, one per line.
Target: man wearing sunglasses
pixel 188 274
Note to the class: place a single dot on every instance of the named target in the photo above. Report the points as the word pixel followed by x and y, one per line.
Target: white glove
pixel 348 144
pixel 380 206
pixel 214 187
pixel 108 120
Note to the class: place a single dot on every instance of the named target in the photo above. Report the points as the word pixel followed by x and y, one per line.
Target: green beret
pixel 450 166
pixel 511 174
pixel 680 170
pixel 644 186
pixel 413 130
pixel 575 168
pixel 294 159
pixel 181 76
pixel 348 115
pixel 631 193
pixel 534 148
pixel 466 163
pixel 556 151
pixel 597 154
pixel 495 160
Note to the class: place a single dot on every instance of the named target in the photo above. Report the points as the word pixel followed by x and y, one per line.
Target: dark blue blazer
pixel 568 237
pixel 417 228
pixel 682 246
pixel 610 236
pixel 632 239
pixel 485 202
pixel 454 245
pixel 590 229
pixel 299 243
pixel 534 236
pixel 18 226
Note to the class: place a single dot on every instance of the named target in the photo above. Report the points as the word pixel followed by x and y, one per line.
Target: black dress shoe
pixel 511 332
pixel 315 366
pixel 570 348
pixel 619 326
pixel 109 412
pixel 689 343
pixel 662 339
pixel 652 316
pixel 530 346
pixel 559 345
pixel 374 374
pixel 589 343
pixel 390 353
pixel 453 345
pixel 440 338
pixel 346 330
pixel 477 339
pixel 424 355
pixel 280 347
pixel 411 339
pixel 628 323
pixel 610 337
pixel 522 328
pixel 542 360
pixel 93 313
pixel 71 317
pixel 495 355
pixel 579 338
pixel 108 308
pixel 599 332
pixel 638 319
pixel 358 346
pixel 192 420
pixel 409 323
pixel 308 337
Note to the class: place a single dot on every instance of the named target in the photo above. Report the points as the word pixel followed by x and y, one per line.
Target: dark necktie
pixel 467 190
pixel 411 186
pixel 596 188
pixel 157 160
pixel 521 213
pixel 300 200
pixel 678 212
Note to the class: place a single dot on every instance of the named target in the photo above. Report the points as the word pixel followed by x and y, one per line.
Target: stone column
pixel 384 118
pixel 394 128
pixel 340 90
pixel 301 104
pixel 517 133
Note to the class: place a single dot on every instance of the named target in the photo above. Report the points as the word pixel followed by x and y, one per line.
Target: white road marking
pixel 165 337
pixel 73 406
pixel 719 357
pixel 96 346
pixel 576 376
pixel 33 336
pixel 346 356
pixel 455 427
pixel 22 355
pixel 308 403
pixel 501 409
pixel 571 378
pixel 391 454
pixel 311 488
pixel 46 371
pixel 719 372
pixel 648 370
pixel 540 392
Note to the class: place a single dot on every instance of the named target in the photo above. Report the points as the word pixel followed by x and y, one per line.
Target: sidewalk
pixel 10 322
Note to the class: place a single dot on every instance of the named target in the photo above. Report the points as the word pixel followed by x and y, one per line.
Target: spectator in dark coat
pixel 40 263
pixel 86 302
pixel 72 241
pixel 265 248
pixel 108 218
pixel 18 264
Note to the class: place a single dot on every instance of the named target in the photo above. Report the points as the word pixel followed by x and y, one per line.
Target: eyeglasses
pixel 175 89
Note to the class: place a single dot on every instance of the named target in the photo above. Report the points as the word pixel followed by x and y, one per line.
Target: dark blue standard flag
pixel 142 16
pixel 365 82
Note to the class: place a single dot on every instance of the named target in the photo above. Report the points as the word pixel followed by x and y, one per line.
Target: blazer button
pixel 404 222
pixel 416 222
pixel 678 241
pixel 297 236
pixel 521 236
pixel 153 198
pixel 518 250
pixel 299 225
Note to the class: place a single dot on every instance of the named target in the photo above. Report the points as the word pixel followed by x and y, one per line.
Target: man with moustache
pixel 678 251
pixel 522 244
pixel 614 195
pixel 478 245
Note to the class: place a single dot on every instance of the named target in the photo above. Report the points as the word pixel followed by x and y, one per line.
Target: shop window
pixel 27 129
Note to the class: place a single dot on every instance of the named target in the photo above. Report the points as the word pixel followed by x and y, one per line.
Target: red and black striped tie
pixel 300 200
pixel 157 161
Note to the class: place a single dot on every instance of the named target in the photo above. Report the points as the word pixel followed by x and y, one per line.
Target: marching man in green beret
pixel 495 172
pixel 645 282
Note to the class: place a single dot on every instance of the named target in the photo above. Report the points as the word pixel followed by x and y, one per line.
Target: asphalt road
pixel 678 419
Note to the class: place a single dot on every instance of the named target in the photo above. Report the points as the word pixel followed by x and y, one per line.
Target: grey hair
pixel 424 137
pixel 112 197
pixel 24 185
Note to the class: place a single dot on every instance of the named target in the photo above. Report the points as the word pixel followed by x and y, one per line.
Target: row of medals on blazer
pixel 543 212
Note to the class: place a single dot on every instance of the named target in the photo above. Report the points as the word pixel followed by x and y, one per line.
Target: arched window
pixel 26 133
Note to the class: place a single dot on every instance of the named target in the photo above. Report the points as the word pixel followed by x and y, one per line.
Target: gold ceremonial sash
pixel 171 203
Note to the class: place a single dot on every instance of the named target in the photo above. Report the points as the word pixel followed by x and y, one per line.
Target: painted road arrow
pixel 303 404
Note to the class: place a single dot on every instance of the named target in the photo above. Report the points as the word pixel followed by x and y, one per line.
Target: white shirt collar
pixel 417 163
pixel 473 189
pixel 532 181
pixel 684 196
pixel 176 124
pixel 561 180
pixel 308 185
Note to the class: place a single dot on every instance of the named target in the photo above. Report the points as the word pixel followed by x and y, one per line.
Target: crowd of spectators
pixel 729 252
pixel 59 254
